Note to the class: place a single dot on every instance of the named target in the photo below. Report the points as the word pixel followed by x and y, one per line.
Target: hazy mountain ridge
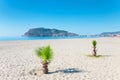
pixel 110 34
pixel 45 32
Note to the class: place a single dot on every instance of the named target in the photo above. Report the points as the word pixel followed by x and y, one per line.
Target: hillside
pixel 45 32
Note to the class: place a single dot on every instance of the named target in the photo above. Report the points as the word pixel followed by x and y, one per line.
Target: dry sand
pixel 18 60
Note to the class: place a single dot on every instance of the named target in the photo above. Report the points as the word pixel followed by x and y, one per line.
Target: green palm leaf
pixel 45 53
pixel 94 43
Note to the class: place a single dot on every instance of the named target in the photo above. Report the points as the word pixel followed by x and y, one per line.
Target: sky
pixel 78 16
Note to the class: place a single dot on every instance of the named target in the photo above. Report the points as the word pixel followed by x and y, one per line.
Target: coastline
pixel 41 38
pixel 17 59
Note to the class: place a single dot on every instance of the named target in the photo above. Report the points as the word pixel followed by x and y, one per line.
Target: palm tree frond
pixel 39 52
pixel 45 53
pixel 94 43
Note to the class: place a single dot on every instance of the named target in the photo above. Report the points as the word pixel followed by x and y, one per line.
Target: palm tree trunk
pixel 45 68
pixel 94 51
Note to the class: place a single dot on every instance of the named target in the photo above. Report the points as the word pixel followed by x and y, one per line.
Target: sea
pixel 40 38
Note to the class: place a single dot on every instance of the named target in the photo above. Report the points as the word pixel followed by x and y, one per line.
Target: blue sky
pixel 79 16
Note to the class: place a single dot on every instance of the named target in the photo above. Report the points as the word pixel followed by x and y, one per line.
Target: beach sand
pixel 18 60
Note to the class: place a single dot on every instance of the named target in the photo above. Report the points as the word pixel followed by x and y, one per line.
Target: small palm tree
pixel 46 54
pixel 94 43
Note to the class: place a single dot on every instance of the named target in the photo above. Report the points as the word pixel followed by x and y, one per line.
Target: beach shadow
pixel 39 72
pixel 98 56
pixel 69 70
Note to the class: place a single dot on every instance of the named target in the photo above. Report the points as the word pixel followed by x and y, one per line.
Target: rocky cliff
pixel 44 32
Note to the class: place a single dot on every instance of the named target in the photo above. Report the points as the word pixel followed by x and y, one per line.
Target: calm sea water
pixel 38 38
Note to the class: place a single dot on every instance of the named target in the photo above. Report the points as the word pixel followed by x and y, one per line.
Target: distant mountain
pixel 45 32
pixel 109 34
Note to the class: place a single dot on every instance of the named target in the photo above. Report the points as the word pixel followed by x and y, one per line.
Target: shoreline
pixel 40 38
pixel 56 39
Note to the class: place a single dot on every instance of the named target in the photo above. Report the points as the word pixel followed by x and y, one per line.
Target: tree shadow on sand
pixel 98 56
pixel 67 71
pixel 39 72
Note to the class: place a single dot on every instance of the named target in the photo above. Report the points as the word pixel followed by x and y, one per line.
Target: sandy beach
pixel 18 59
